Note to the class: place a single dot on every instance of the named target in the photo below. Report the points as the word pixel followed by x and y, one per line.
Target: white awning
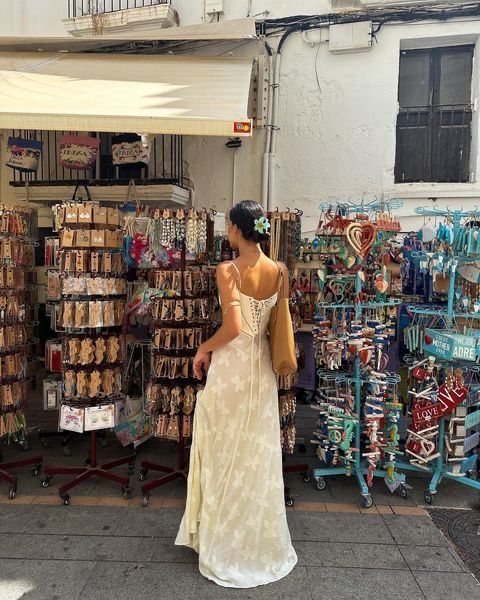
pixel 125 93
pixel 236 29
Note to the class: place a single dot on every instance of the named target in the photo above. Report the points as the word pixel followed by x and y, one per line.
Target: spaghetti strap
pixel 238 273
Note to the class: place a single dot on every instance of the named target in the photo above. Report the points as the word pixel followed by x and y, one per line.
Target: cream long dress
pixel 235 515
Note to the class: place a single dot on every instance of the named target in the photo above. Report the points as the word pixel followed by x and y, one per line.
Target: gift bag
pixel 99 417
pixel 23 155
pixel 78 152
pixel 134 425
pixel 71 418
pixel 128 151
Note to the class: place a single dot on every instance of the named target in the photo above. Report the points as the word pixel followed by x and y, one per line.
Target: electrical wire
pixel 316 68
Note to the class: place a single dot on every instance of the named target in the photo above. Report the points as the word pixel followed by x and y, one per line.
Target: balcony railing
pixel 433 144
pixel 80 8
pixel 165 166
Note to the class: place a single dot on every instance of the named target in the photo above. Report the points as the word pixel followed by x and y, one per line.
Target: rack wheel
pixel 67 451
pixel 24 445
pixel 127 492
pixel 36 470
pixel 12 493
pixel 367 501
pixel 472 475
pixel 65 499
pixel 143 474
pixel 145 499
pixel 44 442
pixel 306 477
pixel 428 496
pixel 289 501
pixel 46 482
pixel 321 483
pixel 403 491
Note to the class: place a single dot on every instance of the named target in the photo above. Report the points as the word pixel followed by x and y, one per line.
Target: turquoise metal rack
pixel 358 468
pixel 439 470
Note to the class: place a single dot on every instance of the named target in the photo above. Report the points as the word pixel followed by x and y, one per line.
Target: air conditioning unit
pixel 213 7
pixel 350 37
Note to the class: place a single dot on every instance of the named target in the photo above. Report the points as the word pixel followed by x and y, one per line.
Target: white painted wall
pixel 337 136
pixel 32 17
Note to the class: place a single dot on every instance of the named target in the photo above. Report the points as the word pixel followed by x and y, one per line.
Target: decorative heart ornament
pixel 365 355
pixel 381 284
pixel 361 236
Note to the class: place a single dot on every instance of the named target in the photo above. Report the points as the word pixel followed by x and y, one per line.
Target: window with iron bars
pixel 79 8
pixel 165 165
pixel 435 116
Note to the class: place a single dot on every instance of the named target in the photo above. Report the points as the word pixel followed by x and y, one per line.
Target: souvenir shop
pixel 115 269
pixel 386 320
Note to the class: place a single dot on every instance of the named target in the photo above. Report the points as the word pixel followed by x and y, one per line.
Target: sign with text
pixel 450 346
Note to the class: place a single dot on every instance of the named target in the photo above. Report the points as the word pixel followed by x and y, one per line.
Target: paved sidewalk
pixel 117 553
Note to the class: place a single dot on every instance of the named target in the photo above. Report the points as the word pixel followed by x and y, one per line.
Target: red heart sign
pixel 428 340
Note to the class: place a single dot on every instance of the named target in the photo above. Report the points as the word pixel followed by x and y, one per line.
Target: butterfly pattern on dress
pixel 235 516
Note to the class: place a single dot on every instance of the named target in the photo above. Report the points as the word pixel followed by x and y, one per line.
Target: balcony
pixel 161 180
pixel 113 17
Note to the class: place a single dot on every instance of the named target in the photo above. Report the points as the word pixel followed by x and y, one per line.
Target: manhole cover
pixel 462 527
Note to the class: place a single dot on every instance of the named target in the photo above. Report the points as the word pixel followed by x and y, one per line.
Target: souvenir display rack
pixel 92 312
pixel 183 307
pixel 443 355
pixel 285 246
pixel 357 400
pixel 18 320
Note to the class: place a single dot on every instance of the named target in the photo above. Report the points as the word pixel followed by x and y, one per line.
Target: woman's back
pixel 257 275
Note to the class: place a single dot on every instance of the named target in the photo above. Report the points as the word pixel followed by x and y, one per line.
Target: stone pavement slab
pixel 414 530
pixel 130 581
pixel 139 521
pixel 292 587
pixel 339 527
pixel 43 580
pixel 430 558
pixel 166 552
pixel 88 520
pixel 448 586
pixel 76 547
pixel 363 584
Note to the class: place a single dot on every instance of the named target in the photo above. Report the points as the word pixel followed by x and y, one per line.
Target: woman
pixel 235 516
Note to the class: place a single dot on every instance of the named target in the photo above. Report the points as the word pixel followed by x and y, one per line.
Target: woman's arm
pixel 232 318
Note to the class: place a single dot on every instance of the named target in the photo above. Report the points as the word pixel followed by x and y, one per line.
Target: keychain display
pixel 89 261
pixel 442 351
pixel 167 405
pixel 101 350
pixel 183 308
pixel 357 400
pixel 93 286
pixel 156 241
pixel 18 317
pixel 91 311
pixel 18 332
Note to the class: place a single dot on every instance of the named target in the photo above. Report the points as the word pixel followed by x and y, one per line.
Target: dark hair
pixel 243 215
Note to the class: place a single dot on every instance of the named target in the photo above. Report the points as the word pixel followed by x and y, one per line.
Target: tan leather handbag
pixel 280 333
